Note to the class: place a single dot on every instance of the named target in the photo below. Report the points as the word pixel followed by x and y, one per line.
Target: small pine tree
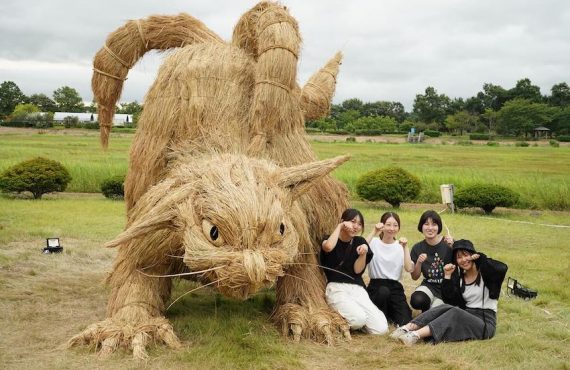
pixel 485 196
pixel 113 187
pixel 38 176
pixel 392 184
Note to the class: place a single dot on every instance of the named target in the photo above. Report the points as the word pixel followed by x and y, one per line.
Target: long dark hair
pixel 386 216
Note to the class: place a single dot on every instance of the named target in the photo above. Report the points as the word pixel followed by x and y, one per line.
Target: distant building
pixel 118 119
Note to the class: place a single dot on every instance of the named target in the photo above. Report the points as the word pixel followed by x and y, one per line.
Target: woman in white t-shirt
pixel 391 256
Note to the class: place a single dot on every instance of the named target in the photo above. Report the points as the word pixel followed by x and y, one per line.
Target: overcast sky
pixel 393 49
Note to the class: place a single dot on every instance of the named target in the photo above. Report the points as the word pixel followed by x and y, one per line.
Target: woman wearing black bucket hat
pixel 470 291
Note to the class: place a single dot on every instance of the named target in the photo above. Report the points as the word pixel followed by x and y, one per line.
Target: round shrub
pixel 113 187
pixel 38 176
pixel 392 184
pixel 485 196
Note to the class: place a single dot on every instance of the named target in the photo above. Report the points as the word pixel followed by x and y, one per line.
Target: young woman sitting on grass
pixel 429 256
pixel 470 292
pixel 345 255
pixel 391 257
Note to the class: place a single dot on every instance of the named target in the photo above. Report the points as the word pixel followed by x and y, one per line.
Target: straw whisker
pixel 193 290
pixel 321 266
pixel 183 273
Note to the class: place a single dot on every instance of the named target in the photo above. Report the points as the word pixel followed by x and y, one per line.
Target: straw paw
pixel 321 324
pixel 110 334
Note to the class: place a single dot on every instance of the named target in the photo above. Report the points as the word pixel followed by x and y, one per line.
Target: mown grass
pixel 539 174
pixel 46 299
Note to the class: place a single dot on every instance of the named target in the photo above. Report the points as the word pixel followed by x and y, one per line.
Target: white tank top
pixel 477 296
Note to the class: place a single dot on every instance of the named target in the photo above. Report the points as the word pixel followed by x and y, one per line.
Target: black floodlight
pixel 53 246
pixel 517 289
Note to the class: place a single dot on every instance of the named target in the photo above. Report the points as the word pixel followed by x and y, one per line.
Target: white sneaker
pixel 409 338
pixel 399 332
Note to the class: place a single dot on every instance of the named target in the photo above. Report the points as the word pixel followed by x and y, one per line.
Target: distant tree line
pixel 15 105
pixel 494 109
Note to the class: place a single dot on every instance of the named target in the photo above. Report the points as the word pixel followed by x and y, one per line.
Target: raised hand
pixel 475 256
pixel 378 227
pixel 362 249
pixel 422 257
pixel 403 242
pixel 448 239
pixel 448 269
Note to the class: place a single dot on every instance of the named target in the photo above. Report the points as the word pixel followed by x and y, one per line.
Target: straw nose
pixel 254 265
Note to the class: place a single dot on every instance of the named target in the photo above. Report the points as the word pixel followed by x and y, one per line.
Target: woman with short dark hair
pixel 429 257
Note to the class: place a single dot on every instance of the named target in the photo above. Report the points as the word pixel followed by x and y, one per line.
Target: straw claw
pixel 111 334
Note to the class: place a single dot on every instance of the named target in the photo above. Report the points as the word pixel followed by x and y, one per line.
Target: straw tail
pixel 301 178
pixel 318 92
pixel 271 36
pixel 127 44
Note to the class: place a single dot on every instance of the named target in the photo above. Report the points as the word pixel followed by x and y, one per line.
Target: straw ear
pixel 298 179
pixel 317 93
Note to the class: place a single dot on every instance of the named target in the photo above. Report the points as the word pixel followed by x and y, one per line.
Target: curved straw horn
pixel 318 92
pixel 126 45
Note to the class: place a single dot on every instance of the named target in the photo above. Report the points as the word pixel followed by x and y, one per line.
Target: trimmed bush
pixel 485 196
pixel 554 144
pixel 563 138
pixel 492 143
pixel 70 121
pixel 480 137
pixel 392 184
pixel 351 139
pixel 432 133
pixel 38 176
pixel 113 187
pixel 523 144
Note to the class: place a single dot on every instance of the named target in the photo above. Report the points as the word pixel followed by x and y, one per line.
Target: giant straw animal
pixel 222 184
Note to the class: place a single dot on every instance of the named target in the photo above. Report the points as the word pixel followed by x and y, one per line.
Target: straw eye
pixel 282 228
pixel 212 233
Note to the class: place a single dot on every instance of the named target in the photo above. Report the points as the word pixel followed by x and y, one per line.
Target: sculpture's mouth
pixel 242 273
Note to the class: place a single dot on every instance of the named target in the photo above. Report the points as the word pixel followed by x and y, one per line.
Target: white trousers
pixel 351 301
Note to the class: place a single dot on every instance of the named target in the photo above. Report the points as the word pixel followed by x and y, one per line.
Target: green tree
pixel 485 196
pixel 494 96
pixel 524 89
pixel 21 111
pixel 392 184
pixel 431 107
pixel 489 118
pixel 520 116
pixel 38 176
pixel 43 102
pixel 10 96
pixel 560 95
pixel 561 121
pixel 353 104
pixel 347 117
pixel 68 100
pixel 461 121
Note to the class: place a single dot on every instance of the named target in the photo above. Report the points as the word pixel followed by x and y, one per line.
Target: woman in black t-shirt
pixel 429 257
pixel 345 255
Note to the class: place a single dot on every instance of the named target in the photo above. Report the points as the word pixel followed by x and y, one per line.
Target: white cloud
pixel 393 49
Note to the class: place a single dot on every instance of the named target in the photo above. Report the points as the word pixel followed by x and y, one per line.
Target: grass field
pixel 541 175
pixel 46 299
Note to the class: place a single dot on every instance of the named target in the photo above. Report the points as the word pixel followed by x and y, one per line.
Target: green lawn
pixel 47 299
pixel 541 175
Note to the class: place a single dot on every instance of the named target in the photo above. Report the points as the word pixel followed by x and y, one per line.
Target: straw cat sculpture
pixel 222 185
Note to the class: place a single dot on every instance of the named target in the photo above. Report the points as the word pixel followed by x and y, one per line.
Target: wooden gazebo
pixel 542 131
